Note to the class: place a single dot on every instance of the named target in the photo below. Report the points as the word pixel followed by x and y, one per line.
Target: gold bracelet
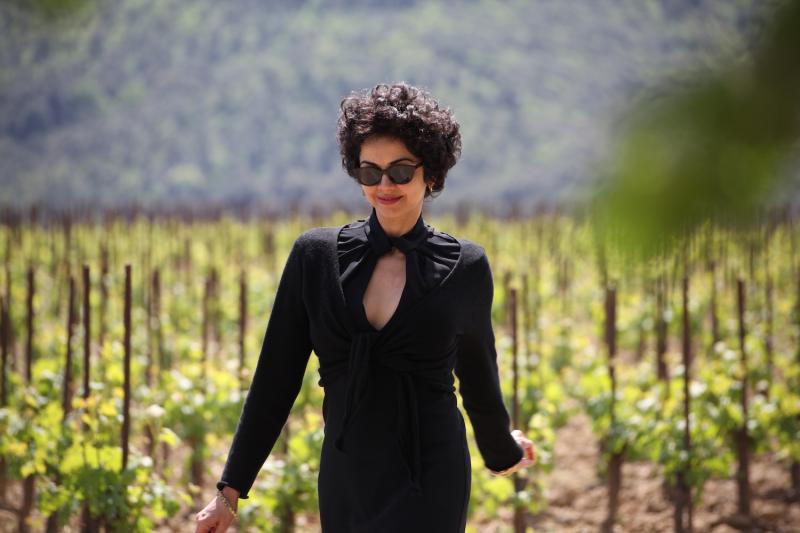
pixel 227 503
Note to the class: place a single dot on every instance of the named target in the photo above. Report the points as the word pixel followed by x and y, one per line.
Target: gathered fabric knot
pixel 368 351
pixel 407 431
pixel 406 243
pixel 356 384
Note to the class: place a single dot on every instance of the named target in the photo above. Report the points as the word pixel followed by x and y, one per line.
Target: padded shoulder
pixel 474 255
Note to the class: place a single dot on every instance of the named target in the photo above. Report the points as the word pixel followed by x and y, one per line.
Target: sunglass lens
pixel 401 173
pixel 368 175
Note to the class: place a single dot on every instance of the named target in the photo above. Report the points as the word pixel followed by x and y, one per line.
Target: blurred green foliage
pixel 719 146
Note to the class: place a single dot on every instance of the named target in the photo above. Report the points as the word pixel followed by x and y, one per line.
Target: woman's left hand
pixel 528 457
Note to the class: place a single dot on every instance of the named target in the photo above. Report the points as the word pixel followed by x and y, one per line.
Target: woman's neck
pixel 397 226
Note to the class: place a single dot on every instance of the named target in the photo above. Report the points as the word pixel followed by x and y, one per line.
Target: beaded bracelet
pixel 227 503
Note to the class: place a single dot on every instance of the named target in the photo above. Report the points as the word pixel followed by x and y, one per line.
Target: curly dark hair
pixel 405 112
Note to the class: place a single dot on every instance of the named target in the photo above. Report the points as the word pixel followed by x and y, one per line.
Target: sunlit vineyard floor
pixel 577 499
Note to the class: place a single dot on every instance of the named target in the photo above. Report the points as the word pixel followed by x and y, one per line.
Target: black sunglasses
pixel 399 174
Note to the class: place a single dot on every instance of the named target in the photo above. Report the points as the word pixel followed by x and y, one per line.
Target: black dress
pixel 395 456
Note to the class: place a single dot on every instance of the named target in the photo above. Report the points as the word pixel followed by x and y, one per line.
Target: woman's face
pixel 390 199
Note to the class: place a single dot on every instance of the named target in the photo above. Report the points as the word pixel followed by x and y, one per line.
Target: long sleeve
pixel 276 381
pixel 479 383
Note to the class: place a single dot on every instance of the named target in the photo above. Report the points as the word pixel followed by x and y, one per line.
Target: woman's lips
pixel 388 199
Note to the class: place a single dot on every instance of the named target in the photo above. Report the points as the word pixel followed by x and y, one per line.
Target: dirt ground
pixel 577 499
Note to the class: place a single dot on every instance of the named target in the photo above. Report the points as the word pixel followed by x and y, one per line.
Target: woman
pixel 391 306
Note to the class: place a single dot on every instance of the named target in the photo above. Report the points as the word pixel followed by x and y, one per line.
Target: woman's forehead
pixel 385 148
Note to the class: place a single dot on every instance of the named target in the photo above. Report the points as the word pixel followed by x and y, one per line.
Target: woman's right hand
pixel 216 517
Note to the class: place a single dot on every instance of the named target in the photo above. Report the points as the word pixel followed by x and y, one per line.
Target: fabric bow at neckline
pixel 382 243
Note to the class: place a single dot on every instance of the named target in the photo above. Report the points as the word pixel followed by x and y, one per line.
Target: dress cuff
pixel 222 484
pixel 517 460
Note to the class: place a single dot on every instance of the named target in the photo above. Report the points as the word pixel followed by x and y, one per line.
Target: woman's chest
pixel 383 290
pixel 411 320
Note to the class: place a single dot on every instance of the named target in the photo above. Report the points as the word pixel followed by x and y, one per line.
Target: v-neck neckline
pixel 399 312
pixel 400 301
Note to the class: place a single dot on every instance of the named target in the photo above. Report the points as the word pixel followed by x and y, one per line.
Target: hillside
pixel 171 103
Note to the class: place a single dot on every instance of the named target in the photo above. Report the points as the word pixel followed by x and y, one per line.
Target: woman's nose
pixel 385 181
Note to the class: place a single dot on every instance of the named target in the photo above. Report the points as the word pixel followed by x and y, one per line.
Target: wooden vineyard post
pixel 641 330
pixel 152 368
pixel 537 301
pixel 88 522
pixel 204 330
pixel 242 325
pixel 66 399
pixel 10 334
pixel 163 362
pixel 28 484
pixel 3 356
pixel 210 319
pixel 149 368
pixel 512 319
pixel 520 513
pixel 29 333
pixel 3 384
pixel 493 246
pixel 683 501
pixel 506 290
pixel 52 525
pixel 196 442
pixel 187 261
pixel 216 327
pixel 526 324
pixel 87 331
pixel 741 435
pixel 564 274
pixel 711 268
pixel 768 324
pixel 715 334
pixel 661 331
pixel 161 357
pixel 126 419
pixel 269 246
pixel 794 469
pixel 63 262
pixel 615 457
pixel 103 296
